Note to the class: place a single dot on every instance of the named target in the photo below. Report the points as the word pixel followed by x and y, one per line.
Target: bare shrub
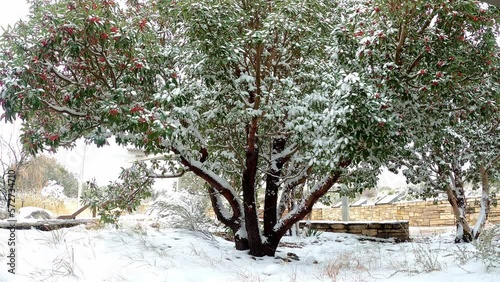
pixel 426 257
pixel 184 210
pixel 488 247
pixel 344 262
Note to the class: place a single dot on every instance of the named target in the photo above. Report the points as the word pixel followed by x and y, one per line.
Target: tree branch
pixel 306 205
pixel 167 176
pixel 222 186
pixel 64 110
pixel 399 48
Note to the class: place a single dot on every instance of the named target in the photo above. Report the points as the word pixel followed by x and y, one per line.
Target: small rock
pixel 293 256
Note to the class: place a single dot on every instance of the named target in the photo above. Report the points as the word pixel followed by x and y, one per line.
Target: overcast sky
pixel 102 163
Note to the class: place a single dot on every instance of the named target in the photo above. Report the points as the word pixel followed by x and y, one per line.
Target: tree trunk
pixel 250 205
pixel 458 201
pixel 272 185
pixel 485 203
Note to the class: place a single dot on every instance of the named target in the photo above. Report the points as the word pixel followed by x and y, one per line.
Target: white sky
pixel 103 164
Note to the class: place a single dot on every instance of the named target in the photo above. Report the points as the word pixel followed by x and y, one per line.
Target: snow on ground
pixel 139 251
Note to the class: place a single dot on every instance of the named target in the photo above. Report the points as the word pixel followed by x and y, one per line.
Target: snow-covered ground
pixel 140 251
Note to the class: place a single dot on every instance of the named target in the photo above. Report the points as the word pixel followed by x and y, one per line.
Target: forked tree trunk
pixel 242 217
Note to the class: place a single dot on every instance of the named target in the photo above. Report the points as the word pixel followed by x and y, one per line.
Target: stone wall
pixel 419 213
pixel 398 230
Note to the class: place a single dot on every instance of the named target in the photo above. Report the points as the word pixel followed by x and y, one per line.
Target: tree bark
pixel 250 205
pixel 456 198
pixel 272 186
pixel 485 203
pixel 458 204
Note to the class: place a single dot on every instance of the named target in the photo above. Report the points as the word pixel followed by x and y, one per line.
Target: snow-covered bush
pixel 123 195
pixel 53 190
pixel 184 210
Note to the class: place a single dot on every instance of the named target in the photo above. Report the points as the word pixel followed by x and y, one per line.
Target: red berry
pixel 359 33
pixel 113 112
pixel 95 20
pixel 53 137
pixel 143 23
pixel 136 109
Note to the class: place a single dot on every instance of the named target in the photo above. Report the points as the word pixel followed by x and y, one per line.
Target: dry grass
pixel 348 263
pixel 63 265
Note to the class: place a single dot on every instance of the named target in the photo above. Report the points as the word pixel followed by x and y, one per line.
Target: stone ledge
pixel 398 230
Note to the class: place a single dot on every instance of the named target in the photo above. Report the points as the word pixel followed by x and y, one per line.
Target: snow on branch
pixel 220 209
pixel 221 185
pixel 159 176
pixel 52 68
pixel 64 110
pixel 286 153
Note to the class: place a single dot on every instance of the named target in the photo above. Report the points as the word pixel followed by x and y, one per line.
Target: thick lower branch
pixel 289 186
pixel 231 222
pixel 65 110
pixel 217 183
pixel 306 205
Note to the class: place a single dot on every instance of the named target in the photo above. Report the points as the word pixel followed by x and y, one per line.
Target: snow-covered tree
pixel 447 63
pixel 293 97
pixel 53 190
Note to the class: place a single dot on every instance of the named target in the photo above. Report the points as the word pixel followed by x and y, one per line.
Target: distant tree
pixel 447 62
pixel 40 170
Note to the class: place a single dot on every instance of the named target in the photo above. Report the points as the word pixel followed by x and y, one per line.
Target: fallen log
pixel 44 225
